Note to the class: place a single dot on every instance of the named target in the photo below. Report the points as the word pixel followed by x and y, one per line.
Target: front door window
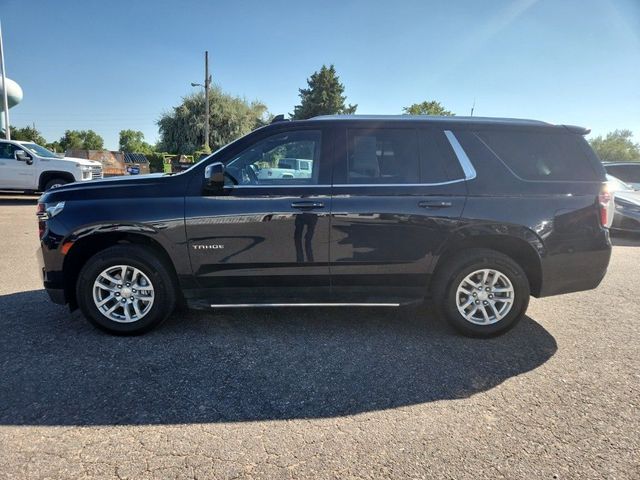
pixel 290 159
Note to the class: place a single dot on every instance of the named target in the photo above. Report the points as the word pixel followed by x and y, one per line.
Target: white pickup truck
pixel 28 166
pixel 287 168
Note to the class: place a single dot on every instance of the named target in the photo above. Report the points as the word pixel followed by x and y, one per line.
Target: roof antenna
pixel 473 106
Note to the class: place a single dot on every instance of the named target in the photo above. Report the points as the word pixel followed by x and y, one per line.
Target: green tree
pixel 133 141
pixel 55 147
pixel 427 108
pixel 324 96
pixel 28 134
pixel 182 128
pixel 617 146
pixel 81 140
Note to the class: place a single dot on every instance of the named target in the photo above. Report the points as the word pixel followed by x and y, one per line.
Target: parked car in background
pixel 628 172
pixel 27 166
pixel 287 168
pixel 477 214
pixel 626 217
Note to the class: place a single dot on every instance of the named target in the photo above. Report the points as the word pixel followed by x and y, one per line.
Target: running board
pixel 270 305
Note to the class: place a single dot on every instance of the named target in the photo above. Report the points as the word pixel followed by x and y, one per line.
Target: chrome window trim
pixel 368 185
pixel 461 155
pixel 396 185
pixel 233 187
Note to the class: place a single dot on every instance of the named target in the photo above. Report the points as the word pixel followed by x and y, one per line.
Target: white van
pixel 28 166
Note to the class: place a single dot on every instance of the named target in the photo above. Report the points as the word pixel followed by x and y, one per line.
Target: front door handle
pixel 307 205
pixel 434 204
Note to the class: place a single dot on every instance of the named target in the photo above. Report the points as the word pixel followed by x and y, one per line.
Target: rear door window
pixel 382 156
pixel 438 162
pixel 542 155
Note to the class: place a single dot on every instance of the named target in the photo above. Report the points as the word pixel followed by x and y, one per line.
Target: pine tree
pixel 323 97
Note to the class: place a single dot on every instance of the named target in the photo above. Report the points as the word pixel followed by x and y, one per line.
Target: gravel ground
pixel 317 393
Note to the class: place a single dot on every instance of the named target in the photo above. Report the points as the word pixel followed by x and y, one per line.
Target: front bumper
pixel 51 271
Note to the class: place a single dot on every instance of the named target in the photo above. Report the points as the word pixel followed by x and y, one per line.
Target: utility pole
pixel 473 106
pixel 206 85
pixel 5 93
pixel 207 81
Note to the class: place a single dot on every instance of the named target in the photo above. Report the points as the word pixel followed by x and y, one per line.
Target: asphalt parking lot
pixel 317 393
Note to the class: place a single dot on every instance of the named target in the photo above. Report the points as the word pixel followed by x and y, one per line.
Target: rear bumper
pixel 574 271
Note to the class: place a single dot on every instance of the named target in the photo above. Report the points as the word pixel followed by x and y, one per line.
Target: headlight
pixel 48 210
pixel 44 212
pixel 85 168
pixel 53 210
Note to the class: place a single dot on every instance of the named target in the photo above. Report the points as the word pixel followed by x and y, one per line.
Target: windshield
pixel 39 151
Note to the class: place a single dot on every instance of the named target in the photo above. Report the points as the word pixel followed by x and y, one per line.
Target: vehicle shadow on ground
pixel 243 365
pixel 12 199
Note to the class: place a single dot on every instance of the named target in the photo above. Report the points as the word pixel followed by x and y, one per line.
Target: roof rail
pixel 279 118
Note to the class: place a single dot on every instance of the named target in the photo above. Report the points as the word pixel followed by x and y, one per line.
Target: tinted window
pixel 536 155
pixel 385 156
pixel 289 158
pixel 626 173
pixel 438 162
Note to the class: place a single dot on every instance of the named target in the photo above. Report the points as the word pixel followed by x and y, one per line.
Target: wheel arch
pixel 525 248
pixel 48 175
pixel 85 247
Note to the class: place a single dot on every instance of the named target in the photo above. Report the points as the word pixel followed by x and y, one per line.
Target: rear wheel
pixel 125 290
pixel 55 183
pixel 481 293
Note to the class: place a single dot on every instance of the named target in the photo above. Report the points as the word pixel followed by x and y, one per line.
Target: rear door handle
pixel 434 204
pixel 307 205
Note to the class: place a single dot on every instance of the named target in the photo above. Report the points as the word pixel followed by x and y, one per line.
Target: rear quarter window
pixel 543 155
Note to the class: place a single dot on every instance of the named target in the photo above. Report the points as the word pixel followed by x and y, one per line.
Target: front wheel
pixel 481 293
pixel 125 290
pixel 55 183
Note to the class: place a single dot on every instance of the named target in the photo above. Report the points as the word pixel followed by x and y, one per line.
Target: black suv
pixel 476 213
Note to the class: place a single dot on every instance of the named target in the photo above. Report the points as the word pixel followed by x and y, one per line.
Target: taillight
pixel 605 200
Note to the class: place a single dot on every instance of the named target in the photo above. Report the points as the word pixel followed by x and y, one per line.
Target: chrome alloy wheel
pixel 123 293
pixel 485 297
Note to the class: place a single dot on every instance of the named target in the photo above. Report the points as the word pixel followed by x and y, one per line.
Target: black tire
pixel 461 264
pixel 135 256
pixel 55 182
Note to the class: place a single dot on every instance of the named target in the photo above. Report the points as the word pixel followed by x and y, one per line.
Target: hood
pixel 112 187
pixel 83 161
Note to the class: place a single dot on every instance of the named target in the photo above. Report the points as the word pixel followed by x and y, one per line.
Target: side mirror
pixel 214 176
pixel 23 156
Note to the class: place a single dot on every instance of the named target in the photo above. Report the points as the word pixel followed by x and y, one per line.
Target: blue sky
pixel 111 65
